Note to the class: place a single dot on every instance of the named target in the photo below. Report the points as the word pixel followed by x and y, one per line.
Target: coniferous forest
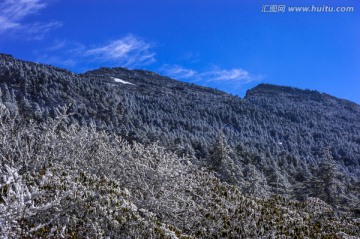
pixel 118 153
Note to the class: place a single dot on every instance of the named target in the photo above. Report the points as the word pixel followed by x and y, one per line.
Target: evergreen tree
pixel 222 163
pixel 330 177
pixel 256 184
pixel 326 184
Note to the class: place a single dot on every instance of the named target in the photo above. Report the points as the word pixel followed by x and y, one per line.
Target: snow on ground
pixel 121 81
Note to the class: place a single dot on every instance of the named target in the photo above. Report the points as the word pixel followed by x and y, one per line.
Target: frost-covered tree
pixel 256 183
pixel 221 162
pixel 326 183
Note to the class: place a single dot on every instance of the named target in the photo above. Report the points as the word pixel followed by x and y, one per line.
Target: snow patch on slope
pixel 121 81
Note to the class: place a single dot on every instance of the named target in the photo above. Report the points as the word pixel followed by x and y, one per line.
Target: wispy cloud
pixel 13 14
pixel 178 72
pixel 13 11
pixel 215 74
pixel 234 81
pixel 236 74
pixel 128 51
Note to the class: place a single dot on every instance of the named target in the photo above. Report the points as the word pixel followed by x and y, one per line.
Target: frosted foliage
pixel 60 180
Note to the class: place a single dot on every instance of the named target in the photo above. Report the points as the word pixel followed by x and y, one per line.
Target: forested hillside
pixel 275 141
pixel 71 181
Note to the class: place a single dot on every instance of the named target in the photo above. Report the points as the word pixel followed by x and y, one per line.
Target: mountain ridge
pixel 295 93
pixel 265 88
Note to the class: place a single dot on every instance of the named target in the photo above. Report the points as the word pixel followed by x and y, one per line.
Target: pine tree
pixel 222 163
pixel 330 178
pixel 256 184
pixel 326 184
pixel 220 152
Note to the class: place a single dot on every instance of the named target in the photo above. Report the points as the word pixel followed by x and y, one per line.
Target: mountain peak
pixel 289 94
pixel 270 89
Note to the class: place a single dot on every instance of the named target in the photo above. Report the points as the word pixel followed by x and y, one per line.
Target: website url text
pixel 313 8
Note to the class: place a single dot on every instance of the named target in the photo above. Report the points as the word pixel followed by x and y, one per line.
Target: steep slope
pixel 278 140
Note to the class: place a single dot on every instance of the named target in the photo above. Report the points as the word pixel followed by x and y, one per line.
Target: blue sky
pixel 227 44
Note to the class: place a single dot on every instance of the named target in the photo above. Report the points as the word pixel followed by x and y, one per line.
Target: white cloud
pixel 236 74
pixel 128 51
pixel 13 13
pixel 6 24
pixel 216 74
pixel 21 8
pixel 178 72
